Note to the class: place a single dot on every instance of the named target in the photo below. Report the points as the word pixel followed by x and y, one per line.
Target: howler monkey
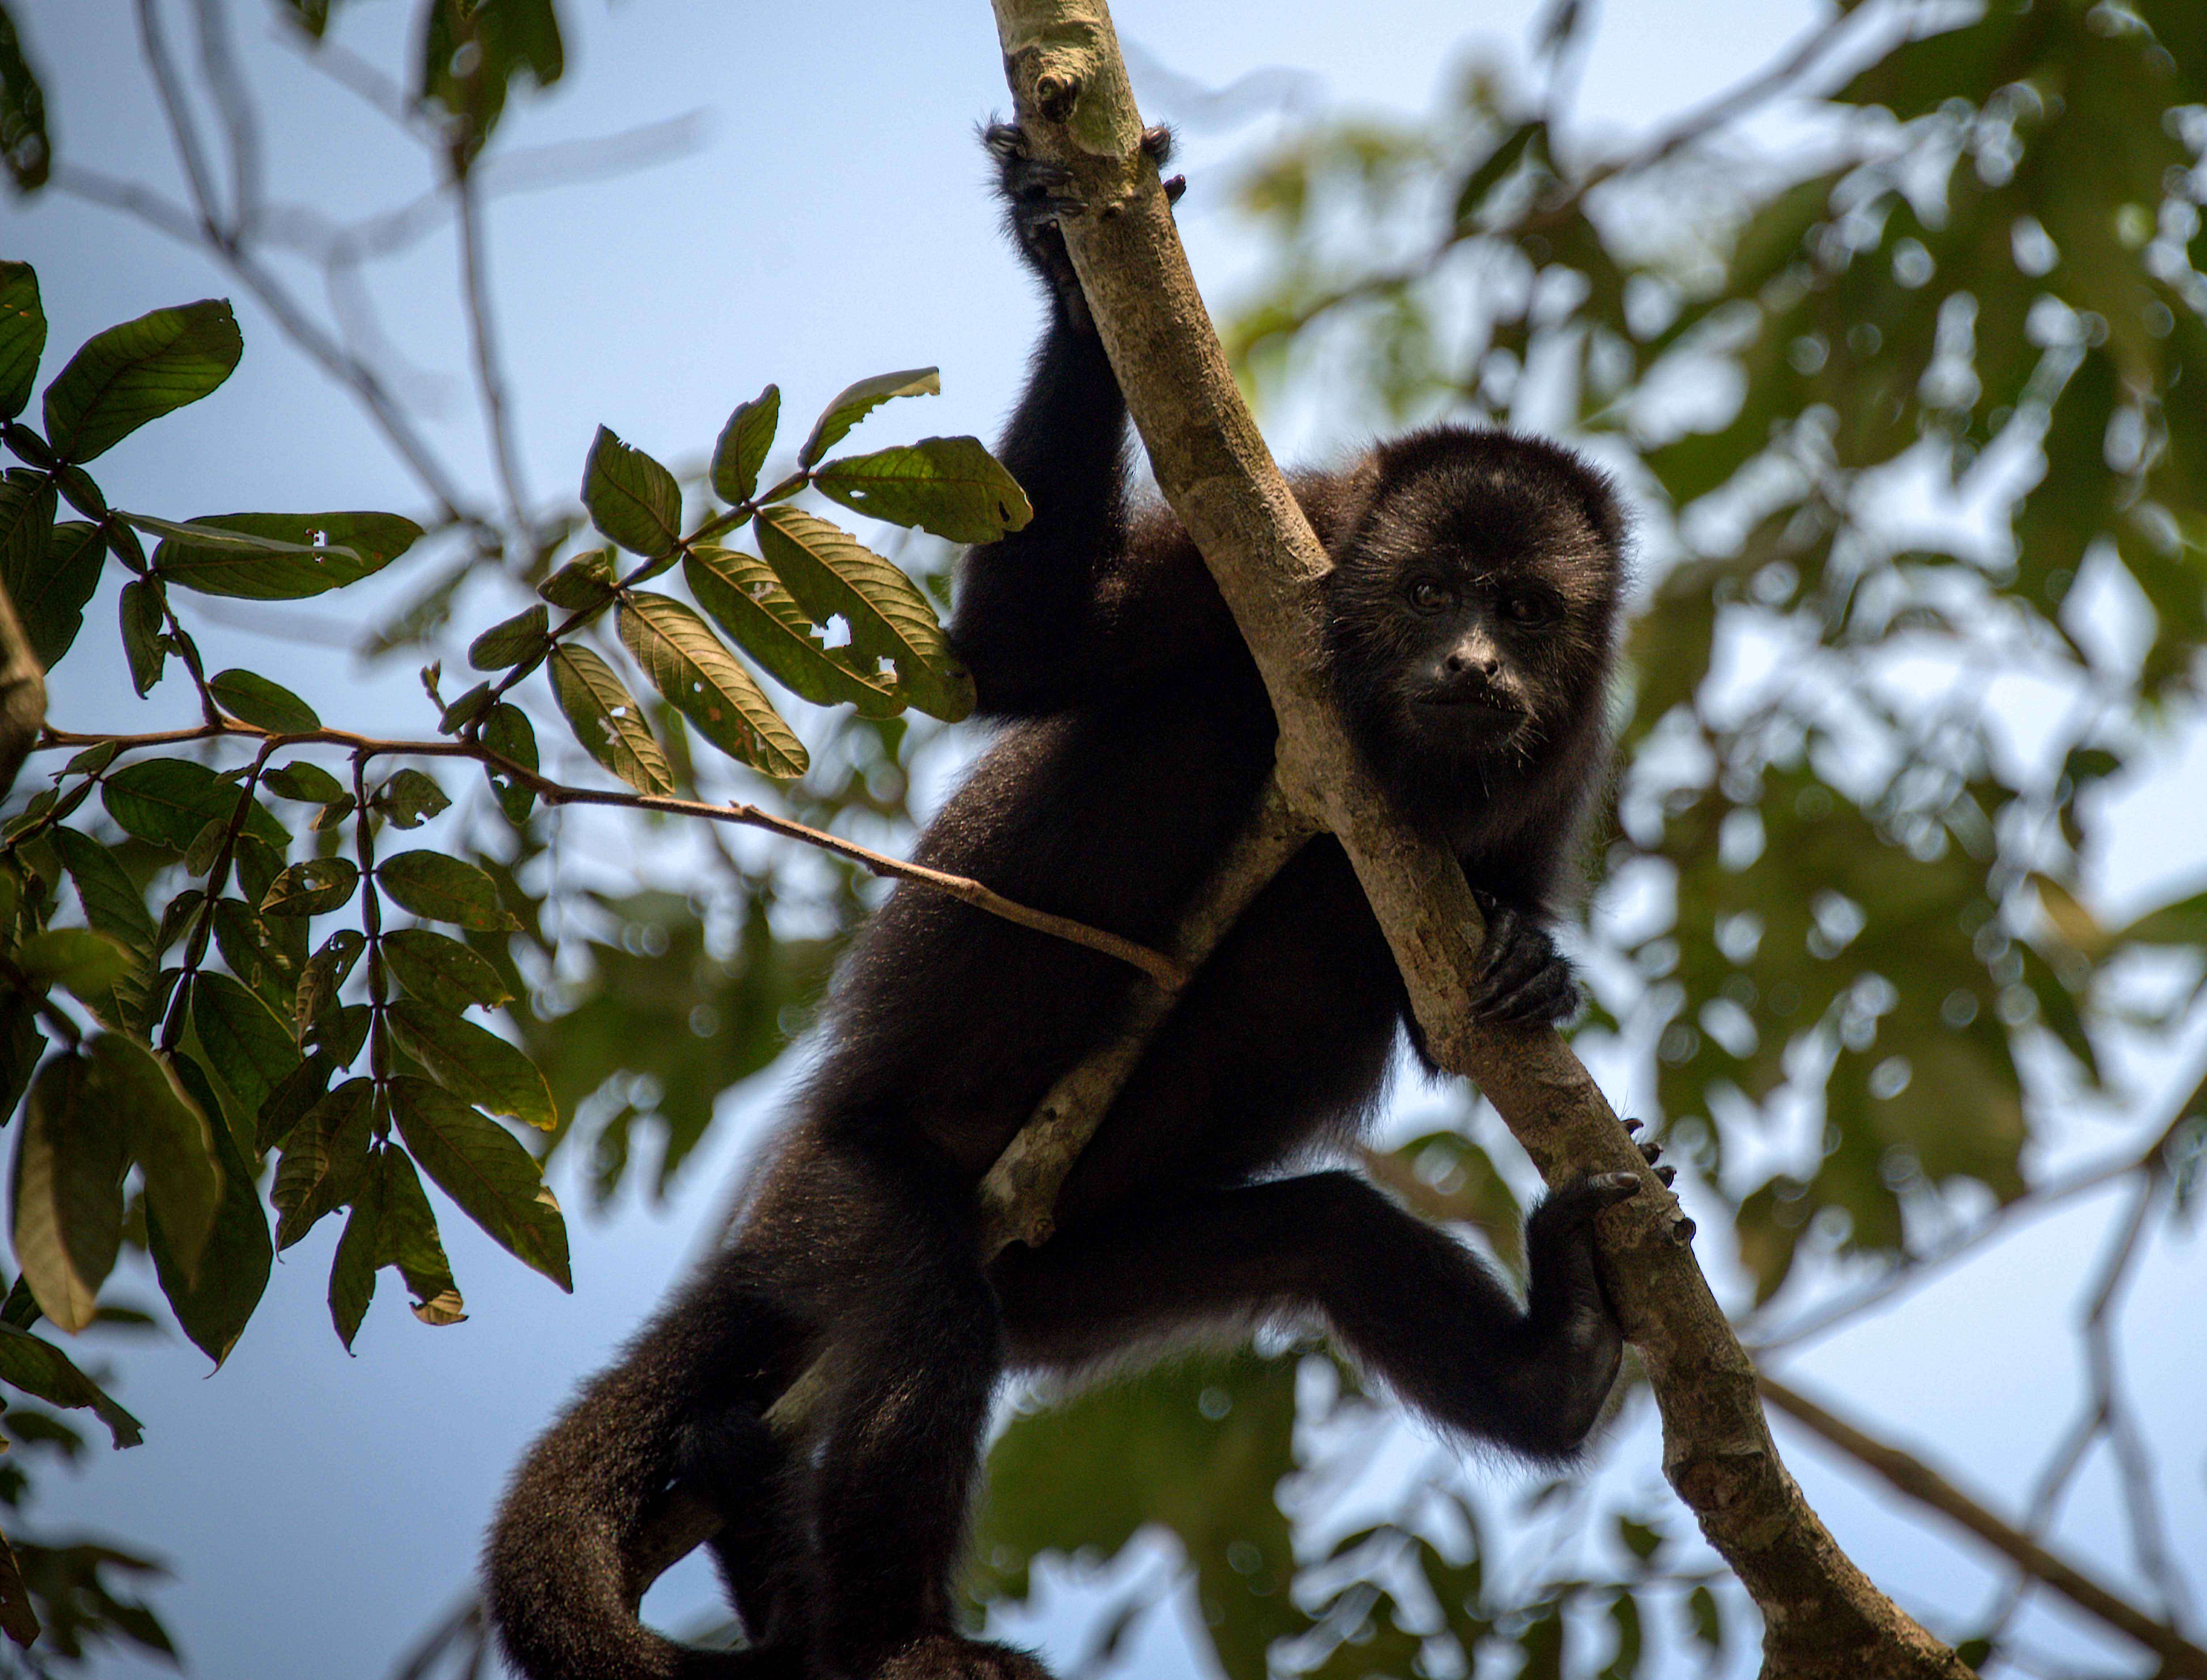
pixel 1469 627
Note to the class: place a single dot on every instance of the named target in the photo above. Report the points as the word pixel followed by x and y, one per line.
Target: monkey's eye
pixel 1526 609
pixel 1429 596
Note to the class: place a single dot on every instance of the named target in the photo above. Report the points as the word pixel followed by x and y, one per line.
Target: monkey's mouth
pixel 1474 709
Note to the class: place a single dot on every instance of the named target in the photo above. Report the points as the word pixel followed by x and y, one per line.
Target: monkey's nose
pixel 1463 661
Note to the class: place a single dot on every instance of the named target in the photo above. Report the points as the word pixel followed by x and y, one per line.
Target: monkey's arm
pixel 1083 596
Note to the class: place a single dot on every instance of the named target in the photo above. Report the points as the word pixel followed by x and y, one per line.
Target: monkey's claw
pixel 1522 978
pixel 1652 1152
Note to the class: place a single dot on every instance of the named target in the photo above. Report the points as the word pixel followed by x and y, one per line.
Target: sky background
pixel 827 220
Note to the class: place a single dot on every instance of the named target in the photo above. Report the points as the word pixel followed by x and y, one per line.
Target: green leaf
pixel 265 705
pixel 172 1141
pixel 169 801
pixel 145 639
pixel 215 1306
pixel 442 971
pixel 352 1270
pixel 138 372
pixel 37 1367
pixel 24 143
pixel 606 720
pixel 322 1160
pixel 511 641
pixel 51 592
pixel 27 505
pixel 312 888
pixel 952 487
pixel 631 498
pixel 411 1241
pixel 745 441
pixel 89 964
pixel 464 710
pixel 508 732
pixel 582 583
pixel 267 953
pixel 22 317
pixel 410 799
pixel 854 402
pixel 483 1167
pixel 306 782
pixel 1529 137
pixel 701 680
pixel 831 574
pixel 247 1048
pixel 279 556
pixel 70 1156
pixel 21 1044
pixel 747 600
pixel 444 889
pixel 113 905
pixel 475 1065
pixel 471 54
pixel 318 986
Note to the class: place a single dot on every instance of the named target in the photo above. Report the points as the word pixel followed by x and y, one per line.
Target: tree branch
pixel 23 693
pixel 1920 1482
pixel 1823 1617
pixel 1159 967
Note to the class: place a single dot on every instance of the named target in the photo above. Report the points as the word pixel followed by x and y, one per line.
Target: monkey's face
pixel 1471 608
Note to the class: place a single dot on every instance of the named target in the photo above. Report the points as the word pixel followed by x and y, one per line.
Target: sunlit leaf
pixel 315 888
pixel 473 1064
pixel 952 487
pixel 444 889
pixel 830 574
pixel 37 1367
pixel 747 600
pixel 855 402
pixel 742 446
pixel 410 799
pixel 606 720
pixel 701 680
pixel 511 641
pixel 280 556
pixel 631 498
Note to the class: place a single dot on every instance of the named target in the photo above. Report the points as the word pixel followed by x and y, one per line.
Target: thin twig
pixel 482 340
pixel 175 107
pixel 1911 1476
pixel 219 63
pixel 1159 966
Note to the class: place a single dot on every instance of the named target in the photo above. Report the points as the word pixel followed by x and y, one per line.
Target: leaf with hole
pixel 315 888
pixel 138 372
pixel 855 402
pixel 830 574
pixel 742 446
pixel 410 799
pixel 278 556
pixel 252 697
pixel 607 722
pixel 508 732
pixel 745 599
pixel 482 1167
pixel 701 680
pixel 952 487
pixel 475 1065
pixel 440 889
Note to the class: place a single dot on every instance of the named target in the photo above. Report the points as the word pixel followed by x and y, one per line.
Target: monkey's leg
pixel 910 1367
pixel 1412 1303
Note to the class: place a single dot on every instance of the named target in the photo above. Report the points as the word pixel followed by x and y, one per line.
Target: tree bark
pixel 1823 1617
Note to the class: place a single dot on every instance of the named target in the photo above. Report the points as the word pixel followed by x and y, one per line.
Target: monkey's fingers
pixel 1174 187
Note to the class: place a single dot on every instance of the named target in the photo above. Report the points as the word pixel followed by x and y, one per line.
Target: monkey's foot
pixel 1652 1153
pixel 1522 978
pixel 947 1657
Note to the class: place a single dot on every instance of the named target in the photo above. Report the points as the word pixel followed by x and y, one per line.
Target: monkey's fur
pixel 1470 623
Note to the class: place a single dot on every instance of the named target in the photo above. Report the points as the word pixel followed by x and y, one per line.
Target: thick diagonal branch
pixel 1822 1616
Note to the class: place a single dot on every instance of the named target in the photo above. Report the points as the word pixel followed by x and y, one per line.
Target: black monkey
pixel 1470 623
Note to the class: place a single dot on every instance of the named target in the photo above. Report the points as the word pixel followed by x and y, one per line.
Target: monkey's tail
pixel 555 1571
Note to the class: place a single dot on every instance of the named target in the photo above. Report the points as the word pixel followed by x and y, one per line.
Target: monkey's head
pixel 1471 615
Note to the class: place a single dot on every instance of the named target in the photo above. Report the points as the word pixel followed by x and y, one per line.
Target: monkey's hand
pixel 1575 1330
pixel 946 1657
pixel 1037 196
pixel 1522 978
